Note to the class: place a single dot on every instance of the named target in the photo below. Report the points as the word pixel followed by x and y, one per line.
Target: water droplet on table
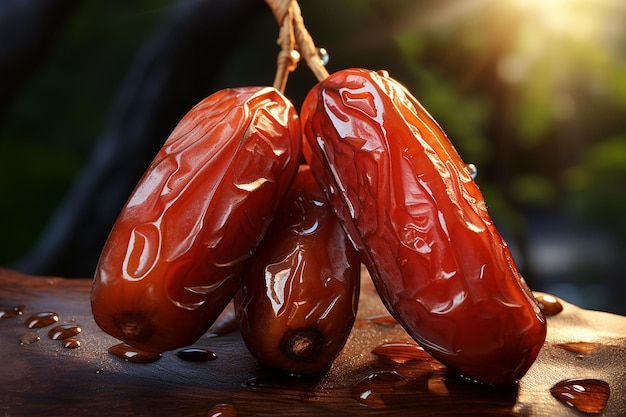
pixel 131 354
pixel 29 338
pixel 196 355
pixel 71 343
pixel 42 319
pixel 7 313
pixel 371 391
pixel 64 331
pixel 586 395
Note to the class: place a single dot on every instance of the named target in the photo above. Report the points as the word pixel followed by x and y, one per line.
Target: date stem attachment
pixel 295 42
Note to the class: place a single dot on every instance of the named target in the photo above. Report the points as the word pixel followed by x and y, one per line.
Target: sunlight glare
pixel 562 17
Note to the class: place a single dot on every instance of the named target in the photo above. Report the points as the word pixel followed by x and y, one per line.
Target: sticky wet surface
pixel 402 379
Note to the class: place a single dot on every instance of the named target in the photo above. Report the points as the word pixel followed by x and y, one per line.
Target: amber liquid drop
pixel 372 390
pixel 401 352
pixel 71 343
pixel 29 338
pixel 581 348
pixel 548 304
pixel 586 395
pixel 42 319
pixel 64 331
pixel 196 355
pixel 7 313
pixel 130 354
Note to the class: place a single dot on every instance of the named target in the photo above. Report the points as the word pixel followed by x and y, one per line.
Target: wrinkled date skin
pixel 175 255
pixel 419 221
pixel 299 300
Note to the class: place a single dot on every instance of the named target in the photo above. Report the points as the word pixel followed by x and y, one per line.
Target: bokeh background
pixel 533 92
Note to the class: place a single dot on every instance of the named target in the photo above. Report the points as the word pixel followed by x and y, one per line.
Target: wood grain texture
pixel 44 378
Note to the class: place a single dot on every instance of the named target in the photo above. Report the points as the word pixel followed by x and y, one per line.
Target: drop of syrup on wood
pixel 71 343
pixel 548 304
pixel 371 391
pixel 401 352
pixel 64 331
pixel 7 313
pixel 222 410
pixel 29 338
pixel 586 395
pixel 42 319
pixel 130 354
pixel 196 355
pixel 581 348
pixel 378 319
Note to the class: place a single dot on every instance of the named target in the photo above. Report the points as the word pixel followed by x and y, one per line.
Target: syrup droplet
pixel 548 304
pixel 196 355
pixel 472 170
pixel 581 348
pixel 7 313
pixel 586 395
pixel 322 53
pixel 71 343
pixel 379 320
pixel 130 354
pixel 401 352
pixel 64 331
pixel 222 410
pixel 29 338
pixel 371 391
pixel 42 319
pixel 383 319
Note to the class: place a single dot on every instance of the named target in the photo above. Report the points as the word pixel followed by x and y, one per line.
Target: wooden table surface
pixel 44 378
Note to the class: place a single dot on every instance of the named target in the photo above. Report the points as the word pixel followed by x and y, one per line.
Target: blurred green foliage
pixel 533 93
pixel 597 185
pixel 47 135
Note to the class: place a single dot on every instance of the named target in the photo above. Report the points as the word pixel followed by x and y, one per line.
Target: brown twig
pixel 306 46
pixel 288 57
pixel 295 41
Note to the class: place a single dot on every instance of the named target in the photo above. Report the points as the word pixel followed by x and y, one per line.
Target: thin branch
pixel 295 41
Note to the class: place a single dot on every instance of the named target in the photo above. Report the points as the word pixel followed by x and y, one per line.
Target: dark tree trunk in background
pixel 172 72
pixel 28 28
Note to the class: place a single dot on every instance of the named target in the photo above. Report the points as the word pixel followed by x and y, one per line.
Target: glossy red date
pixel 421 226
pixel 299 299
pixel 175 255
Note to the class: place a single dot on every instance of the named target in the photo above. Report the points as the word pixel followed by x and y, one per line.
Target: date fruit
pixel 175 255
pixel 299 299
pixel 420 224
